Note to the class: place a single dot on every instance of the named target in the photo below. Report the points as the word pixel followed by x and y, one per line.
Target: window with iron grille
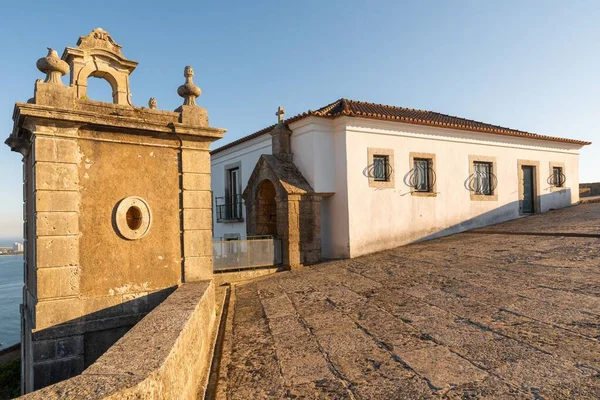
pixel 423 170
pixel 381 168
pixel 482 178
pixel 558 178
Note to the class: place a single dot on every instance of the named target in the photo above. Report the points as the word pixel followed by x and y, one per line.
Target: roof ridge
pixel 442 114
pixel 326 110
pixel 388 105
pixel 385 112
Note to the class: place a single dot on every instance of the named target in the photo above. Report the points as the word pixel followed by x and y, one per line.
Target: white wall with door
pixel 385 212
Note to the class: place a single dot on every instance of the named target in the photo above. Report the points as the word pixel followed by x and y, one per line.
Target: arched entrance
pixel 266 213
pixel 281 203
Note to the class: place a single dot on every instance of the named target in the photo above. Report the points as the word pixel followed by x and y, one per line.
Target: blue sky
pixel 531 65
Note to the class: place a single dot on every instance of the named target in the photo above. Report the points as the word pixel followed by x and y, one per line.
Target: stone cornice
pixel 113 116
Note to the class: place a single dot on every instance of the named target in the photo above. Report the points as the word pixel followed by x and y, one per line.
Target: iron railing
pixel 229 208
pixel 246 254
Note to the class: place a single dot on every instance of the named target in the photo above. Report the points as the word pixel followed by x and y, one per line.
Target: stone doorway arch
pixel 266 213
pixel 280 202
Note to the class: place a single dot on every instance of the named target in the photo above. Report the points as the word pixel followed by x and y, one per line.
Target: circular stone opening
pixel 134 218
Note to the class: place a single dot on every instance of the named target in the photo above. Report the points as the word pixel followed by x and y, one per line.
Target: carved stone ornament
pixel 189 91
pixel 53 67
pixel 99 39
pixel 152 103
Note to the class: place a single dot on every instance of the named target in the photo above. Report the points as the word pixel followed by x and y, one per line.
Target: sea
pixel 11 292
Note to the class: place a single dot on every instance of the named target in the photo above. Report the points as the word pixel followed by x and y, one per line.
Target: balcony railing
pixel 229 208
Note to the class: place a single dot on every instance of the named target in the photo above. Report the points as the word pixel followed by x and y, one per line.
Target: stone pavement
pixel 497 313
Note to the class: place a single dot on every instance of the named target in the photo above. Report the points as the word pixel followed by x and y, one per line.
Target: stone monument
pixel 117 207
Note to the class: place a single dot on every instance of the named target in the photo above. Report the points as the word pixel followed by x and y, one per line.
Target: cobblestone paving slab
pixel 493 315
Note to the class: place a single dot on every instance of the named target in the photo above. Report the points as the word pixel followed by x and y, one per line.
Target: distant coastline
pixel 16 253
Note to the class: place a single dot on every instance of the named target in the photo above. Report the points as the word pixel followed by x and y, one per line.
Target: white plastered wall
pixel 247 155
pixel 385 218
pixel 319 147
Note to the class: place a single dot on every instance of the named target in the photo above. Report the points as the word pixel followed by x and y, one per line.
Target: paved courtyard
pixel 511 311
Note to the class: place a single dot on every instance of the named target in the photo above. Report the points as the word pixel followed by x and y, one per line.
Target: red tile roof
pixel 361 109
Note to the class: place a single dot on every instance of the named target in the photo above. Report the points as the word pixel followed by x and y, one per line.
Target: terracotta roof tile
pixel 361 109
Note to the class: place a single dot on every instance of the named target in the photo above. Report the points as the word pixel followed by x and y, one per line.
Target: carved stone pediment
pixel 99 39
pixel 98 55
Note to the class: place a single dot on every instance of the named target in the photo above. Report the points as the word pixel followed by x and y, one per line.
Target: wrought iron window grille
pixel 380 170
pixel 557 179
pixel 229 208
pixel 482 181
pixel 422 177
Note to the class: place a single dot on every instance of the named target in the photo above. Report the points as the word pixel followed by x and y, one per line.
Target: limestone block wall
pixel 53 264
pixel 166 355
pixel 86 283
pixel 116 207
pixel 310 229
pixel 197 211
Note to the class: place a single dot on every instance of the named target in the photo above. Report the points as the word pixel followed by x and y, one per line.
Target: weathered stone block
pixel 198 268
pixel 57 282
pixel 52 349
pixel 54 95
pixel 52 176
pixel 135 303
pixel 49 372
pixel 44 350
pixel 57 223
pixel 197 161
pixel 69 346
pixel 197 219
pixel 56 201
pixel 53 312
pixel 104 307
pixel 193 115
pixel 57 251
pixel 197 199
pixel 197 243
pixel 192 181
pixel 56 150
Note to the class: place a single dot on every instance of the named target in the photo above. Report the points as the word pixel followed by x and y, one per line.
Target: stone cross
pixel 280 113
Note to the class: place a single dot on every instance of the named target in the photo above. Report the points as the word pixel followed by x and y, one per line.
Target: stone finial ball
pixel 189 90
pixel 51 63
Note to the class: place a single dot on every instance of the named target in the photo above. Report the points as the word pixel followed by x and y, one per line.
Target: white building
pixel 385 176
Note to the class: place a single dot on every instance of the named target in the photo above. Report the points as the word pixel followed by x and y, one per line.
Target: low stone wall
pixel 589 189
pixel 10 353
pixel 165 356
pixel 244 275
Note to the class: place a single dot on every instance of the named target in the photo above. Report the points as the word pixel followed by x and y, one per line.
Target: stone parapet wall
pixel 589 189
pixel 166 355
